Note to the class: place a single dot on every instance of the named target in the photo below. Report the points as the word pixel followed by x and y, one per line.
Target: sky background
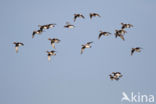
pixel 71 78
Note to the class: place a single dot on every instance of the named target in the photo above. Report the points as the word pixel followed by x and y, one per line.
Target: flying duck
pixel 126 26
pixel 137 49
pixel 17 44
pixel 122 31
pixel 117 74
pixel 87 45
pixel 36 32
pixel 51 53
pixel 78 16
pixel 119 35
pixel 53 41
pixel 104 34
pixel 68 25
pixel 42 27
pixel 94 15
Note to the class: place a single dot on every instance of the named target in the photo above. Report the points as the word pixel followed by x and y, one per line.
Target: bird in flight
pixel 94 15
pixel 126 25
pixel 78 16
pixel 104 34
pixel 87 45
pixel 137 49
pixel 36 32
pixel 53 41
pixel 17 44
pixel 68 25
pixel 115 75
pixel 51 53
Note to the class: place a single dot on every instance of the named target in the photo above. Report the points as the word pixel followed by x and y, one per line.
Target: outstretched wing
pixel 122 37
pixel 100 35
pixel 53 45
pixel 49 57
pixel 82 49
pixel 16 49
pixel 132 51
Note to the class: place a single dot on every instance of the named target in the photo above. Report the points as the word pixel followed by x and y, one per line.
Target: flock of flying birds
pixel 118 33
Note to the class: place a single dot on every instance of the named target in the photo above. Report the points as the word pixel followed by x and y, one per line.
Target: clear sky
pixel 72 78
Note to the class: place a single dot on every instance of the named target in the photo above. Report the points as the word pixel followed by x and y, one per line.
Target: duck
pixel 137 49
pixel 53 41
pixel 36 32
pixel 122 31
pixel 104 34
pixel 51 53
pixel 117 74
pixel 42 27
pixel 78 16
pixel 17 44
pixel 87 45
pixel 94 15
pixel 119 35
pixel 126 25
pixel 68 25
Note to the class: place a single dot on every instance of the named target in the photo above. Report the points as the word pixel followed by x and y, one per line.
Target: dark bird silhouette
pixel 137 49
pixel 94 15
pixel 87 45
pixel 78 16
pixel 36 32
pixel 53 41
pixel 126 26
pixel 104 34
pixel 51 53
pixel 68 25
pixel 17 44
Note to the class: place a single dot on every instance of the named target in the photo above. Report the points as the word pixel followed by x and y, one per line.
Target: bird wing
pixel 132 51
pixel 100 35
pixel 122 37
pixel 16 49
pixel 53 45
pixel 89 42
pixel 49 57
pixel 82 49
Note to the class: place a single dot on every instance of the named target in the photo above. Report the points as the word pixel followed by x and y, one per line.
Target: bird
pixel 117 74
pixel 17 44
pixel 42 27
pixel 78 16
pixel 119 35
pixel 36 32
pixel 122 31
pixel 126 25
pixel 94 15
pixel 87 45
pixel 51 53
pixel 103 33
pixel 137 49
pixel 53 41
pixel 68 25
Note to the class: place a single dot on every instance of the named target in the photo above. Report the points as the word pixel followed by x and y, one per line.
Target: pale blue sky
pixel 71 78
